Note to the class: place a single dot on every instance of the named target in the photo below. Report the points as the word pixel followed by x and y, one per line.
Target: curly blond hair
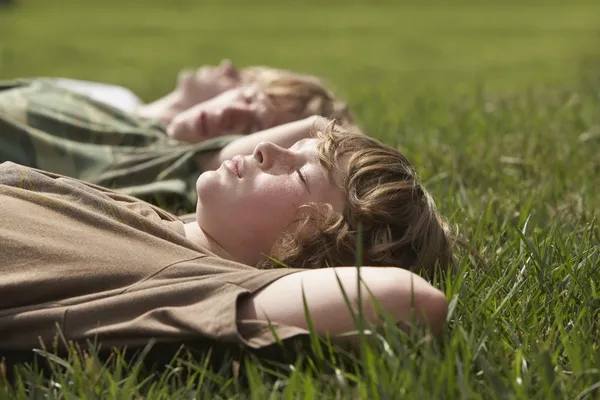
pixel 299 94
pixel 387 212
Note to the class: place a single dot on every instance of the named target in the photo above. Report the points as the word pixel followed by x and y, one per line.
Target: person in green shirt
pixel 157 151
pixel 193 86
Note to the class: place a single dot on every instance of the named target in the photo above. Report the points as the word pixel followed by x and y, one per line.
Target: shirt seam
pixel 131 288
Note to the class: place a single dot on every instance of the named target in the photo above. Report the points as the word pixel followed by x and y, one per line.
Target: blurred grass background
pixel 395 50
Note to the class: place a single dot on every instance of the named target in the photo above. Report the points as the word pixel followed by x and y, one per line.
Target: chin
pixel 201 181
pixel 207 184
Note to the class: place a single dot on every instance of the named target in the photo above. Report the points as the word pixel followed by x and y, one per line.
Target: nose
pixel 270 156
pixel 228 68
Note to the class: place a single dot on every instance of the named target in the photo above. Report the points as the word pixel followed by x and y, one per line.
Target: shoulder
pixel 13 174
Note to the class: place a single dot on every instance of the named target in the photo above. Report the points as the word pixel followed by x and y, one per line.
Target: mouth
pixel 235 165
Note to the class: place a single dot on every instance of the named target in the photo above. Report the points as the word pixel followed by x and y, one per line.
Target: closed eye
pixel 303 179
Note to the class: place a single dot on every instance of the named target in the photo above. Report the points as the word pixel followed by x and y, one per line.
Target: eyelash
pixel 301 176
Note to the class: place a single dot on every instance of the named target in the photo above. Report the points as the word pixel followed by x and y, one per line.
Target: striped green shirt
pixel 51 128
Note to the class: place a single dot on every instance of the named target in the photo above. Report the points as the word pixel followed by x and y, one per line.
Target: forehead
pixel 310 147
pixel 304 143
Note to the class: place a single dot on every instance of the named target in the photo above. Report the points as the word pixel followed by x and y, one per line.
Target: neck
pixel 195 234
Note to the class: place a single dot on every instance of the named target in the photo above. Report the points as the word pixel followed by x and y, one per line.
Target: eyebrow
pixel 299 142
pixel 298 145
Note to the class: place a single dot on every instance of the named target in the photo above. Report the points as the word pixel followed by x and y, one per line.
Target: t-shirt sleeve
pixel 103 267
pixel 175 305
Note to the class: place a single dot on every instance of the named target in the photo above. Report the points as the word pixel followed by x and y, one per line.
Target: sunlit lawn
pixel 497 103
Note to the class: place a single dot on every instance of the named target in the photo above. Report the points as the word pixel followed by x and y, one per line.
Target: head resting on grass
pixel 386 211
pixel 305 94
pixel 269 98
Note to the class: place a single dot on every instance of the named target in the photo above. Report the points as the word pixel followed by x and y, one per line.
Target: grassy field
pixel 498 105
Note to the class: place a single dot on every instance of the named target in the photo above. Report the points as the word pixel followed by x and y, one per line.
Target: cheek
pixel 279 198
pixel 267 204
pixel 279 188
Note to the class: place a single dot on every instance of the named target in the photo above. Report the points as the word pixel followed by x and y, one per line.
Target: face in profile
pixel 203 83
pixel 238 111
pixel 248 202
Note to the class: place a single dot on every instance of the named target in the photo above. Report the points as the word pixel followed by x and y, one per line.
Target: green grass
pixel 498 105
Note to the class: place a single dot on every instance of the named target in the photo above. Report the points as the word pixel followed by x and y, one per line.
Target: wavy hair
pixel 302 95
pixel 388 213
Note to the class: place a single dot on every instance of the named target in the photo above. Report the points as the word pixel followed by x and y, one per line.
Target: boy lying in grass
pixel 155 153
pixel 100 265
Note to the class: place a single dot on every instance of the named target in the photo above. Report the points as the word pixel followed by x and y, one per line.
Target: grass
pixel 498 104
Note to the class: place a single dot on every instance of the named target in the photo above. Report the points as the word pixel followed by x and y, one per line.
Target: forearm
pixel 403 295
pixel 283 135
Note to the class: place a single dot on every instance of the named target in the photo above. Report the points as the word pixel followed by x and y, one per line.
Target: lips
pixel 239 165
pixel 235 165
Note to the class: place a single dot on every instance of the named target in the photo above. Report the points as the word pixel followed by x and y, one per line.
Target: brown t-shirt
pixel 104 266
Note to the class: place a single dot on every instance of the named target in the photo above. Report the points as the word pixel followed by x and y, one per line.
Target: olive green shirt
pixel 45 126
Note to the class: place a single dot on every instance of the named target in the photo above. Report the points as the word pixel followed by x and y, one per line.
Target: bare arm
pixel 283 135
pixel 400 293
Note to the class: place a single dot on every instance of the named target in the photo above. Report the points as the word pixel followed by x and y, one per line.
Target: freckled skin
pixel 246 214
